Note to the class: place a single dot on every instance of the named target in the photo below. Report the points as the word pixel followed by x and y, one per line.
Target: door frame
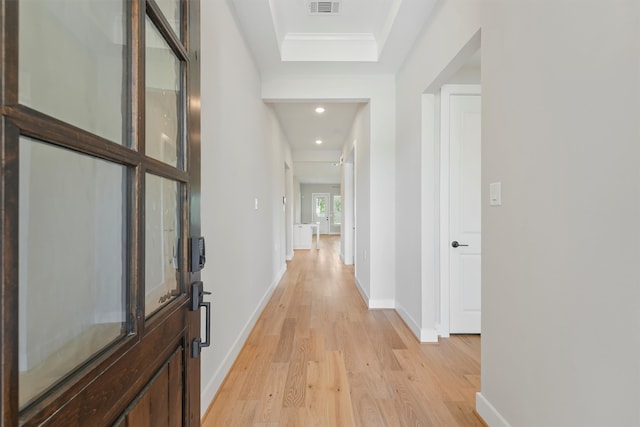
pixel 287 203
pixel 445 169
pixel 347 191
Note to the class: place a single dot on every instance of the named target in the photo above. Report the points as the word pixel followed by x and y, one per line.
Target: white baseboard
pixel 381 303
pixel 488 413
pixel 423 334
pixel 441 332
pixel 374 303
pixel 344 261
pixel 428 335
pixel 211 388
pixel 363 294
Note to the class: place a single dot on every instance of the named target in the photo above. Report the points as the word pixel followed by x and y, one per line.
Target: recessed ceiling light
pixel 318 141
pixel 320 110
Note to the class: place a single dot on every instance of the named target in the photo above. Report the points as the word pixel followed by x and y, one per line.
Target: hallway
pixel 318 357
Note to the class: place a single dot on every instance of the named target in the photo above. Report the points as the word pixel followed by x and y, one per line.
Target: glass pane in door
pixel 321 206
pixel 163 99
pixel 172 10
pixel 72 270
pixel 72 62
pixel 162 230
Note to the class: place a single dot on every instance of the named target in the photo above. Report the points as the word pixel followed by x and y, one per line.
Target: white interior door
pixel 464 213
pixel 320 209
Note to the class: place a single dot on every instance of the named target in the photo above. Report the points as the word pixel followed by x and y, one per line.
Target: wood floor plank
pixel 365 409
pixel 270 404
pixel 318 357
pixel 285 343
pixel 295 387
pixel 257 360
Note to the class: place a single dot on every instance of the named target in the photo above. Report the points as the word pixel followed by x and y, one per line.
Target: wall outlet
pixel 255 203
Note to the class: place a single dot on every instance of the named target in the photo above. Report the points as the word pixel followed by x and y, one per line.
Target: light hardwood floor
pixel 318 357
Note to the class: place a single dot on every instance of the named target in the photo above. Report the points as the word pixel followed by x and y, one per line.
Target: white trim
pixel 445 170
pixel 363 294
pixel 444 212
pixel 423 334
pixel 373 304
pixel 347 234
pixel 488 413
pixel 360 47
pixel 211 388
pixel 381 304
pixel 429 208
pixel 440 331
pixel 428 335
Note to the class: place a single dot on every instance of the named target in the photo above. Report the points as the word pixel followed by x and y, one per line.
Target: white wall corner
pixel 381 304
pixel 363 293
pixel 422 334
pixel 373 304
pixel 488 413
pixel 211 388
pixel 428 335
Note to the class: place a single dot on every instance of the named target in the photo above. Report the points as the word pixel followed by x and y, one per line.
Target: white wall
pixel 561 101
pixel 243 157
pixel 561 97
pixel 358 142
pixel 452 26
pixel 375 163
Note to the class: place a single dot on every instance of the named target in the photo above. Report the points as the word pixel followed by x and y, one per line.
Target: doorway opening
pixel 445 104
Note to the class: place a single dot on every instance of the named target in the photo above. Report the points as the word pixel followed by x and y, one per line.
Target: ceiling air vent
pixel 324 7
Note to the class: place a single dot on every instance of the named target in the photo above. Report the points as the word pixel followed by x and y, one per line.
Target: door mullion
pixel 137 118
pixel 48 129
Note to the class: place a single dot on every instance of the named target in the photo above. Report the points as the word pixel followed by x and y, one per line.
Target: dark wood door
pixel 100 189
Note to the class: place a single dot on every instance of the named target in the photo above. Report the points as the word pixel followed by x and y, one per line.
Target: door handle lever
pixel 197 302
pixel 455 244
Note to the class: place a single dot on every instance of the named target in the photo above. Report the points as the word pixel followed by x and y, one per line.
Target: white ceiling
pixel 366 37
pixel 317 172
pixel 313 163
pixel 303 126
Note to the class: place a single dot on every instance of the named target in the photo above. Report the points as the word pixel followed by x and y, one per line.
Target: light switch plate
pixel 495 194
